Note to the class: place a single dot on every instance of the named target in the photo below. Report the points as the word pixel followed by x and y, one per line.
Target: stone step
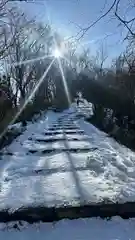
pixel 47 140
pixel 66 122
pixel 54 163
pixel 44 172
pixel 57 145
pixel 63 124
pixel 55 150
pixel 59 137
pixel 62 128
pixel 64 132
pixel 33 214
pixel 70 127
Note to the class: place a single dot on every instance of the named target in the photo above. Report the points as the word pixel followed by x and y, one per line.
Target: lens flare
pixel 29 98
pixel 29 61
pixel 57 53
pixel 64 82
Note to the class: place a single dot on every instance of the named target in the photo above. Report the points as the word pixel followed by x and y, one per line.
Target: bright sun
pixel 57 53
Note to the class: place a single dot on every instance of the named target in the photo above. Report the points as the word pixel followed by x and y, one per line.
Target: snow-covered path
pixel 81 229
pixel 64 160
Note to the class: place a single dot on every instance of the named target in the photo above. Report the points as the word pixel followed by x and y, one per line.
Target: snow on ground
pixel 32 129
pixel 81 229
pixel 15 126
pixel 101 169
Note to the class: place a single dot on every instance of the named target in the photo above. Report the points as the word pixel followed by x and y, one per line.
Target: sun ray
pixel 64 81
pixel 40 80
pixel 59 61
pixel 29 61
pixel 29 98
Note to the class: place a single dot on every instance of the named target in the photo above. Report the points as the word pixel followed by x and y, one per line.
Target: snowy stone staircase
pixel 59 172
pixel 63 135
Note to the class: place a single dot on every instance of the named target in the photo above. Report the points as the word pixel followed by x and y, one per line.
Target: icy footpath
pixel 82 229
pixel 63 160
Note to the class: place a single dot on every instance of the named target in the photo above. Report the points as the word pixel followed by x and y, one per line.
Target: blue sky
pixel 65 15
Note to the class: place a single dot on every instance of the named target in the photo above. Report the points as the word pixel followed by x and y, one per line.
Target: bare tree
pixel 32 41
pixel 5 42
pixel 101 58
pixel 84 60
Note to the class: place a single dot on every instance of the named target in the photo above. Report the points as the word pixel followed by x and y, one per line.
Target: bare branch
pixel 124 22
pixel 84 30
